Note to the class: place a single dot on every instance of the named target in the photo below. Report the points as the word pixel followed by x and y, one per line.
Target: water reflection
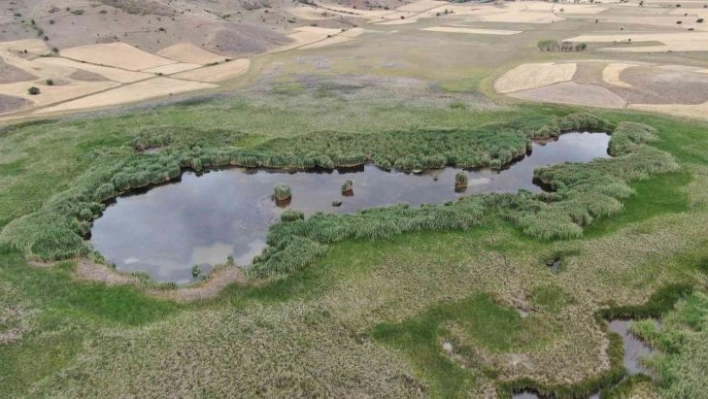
pixel 203 219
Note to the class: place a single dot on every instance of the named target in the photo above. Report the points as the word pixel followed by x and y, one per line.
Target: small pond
pixel 203 218
pixel 634 350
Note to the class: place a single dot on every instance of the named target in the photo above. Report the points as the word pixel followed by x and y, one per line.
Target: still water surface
pixel 202 219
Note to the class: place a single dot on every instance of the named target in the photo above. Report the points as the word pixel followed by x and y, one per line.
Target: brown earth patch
pixel 86 76
pixel 11 103
pixel 246 39
pixel 87 270
pixel 651 85
pixel 217 280
pixel 590 73
pixel 11 74
pixel 208 289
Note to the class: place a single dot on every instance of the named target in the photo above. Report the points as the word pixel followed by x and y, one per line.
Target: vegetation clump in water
pixel 348 187
pixel 282 192
pixel 460 181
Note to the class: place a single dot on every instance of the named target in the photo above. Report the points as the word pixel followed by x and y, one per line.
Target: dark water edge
pixel 201 219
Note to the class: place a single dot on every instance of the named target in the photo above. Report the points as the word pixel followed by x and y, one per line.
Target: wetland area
pixel 202 219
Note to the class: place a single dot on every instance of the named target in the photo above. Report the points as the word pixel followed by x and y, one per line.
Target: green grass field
pixel 443 310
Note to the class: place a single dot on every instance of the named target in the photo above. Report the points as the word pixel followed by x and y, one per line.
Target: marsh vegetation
pixel 398 293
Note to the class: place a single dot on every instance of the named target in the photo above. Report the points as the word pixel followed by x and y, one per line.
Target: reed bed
pixel 582 194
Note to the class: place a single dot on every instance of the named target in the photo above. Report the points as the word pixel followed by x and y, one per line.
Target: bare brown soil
pixel 11 103
pixel 652 85
pixel 210 288
pixel 86 76
pixel 216 282
pixel 11 74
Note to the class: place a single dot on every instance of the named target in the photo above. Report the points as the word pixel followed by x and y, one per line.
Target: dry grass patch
pixel 530 76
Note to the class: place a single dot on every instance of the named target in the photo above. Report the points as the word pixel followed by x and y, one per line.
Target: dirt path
pixel 87 270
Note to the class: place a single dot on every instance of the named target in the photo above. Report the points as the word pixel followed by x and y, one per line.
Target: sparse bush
pixel 33 90
pixel 548 45
pixel 554 45
pixel 49 82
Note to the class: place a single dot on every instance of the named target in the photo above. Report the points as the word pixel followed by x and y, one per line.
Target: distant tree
pixel 548 45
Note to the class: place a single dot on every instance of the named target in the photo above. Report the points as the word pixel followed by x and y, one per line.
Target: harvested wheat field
pixel 308 35
pixel 119 55
pixel 611 74
pixel 687 41
pixel 151 88
pixel 172 68
pixel 190 54
pixel 662 88
pixel 114 74
pixel 217 73
pixel 55 93
pixel 472 31
pixel 573 93
pixel 699 111
pixel 530 76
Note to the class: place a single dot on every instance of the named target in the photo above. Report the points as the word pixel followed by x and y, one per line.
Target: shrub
pixel 49 82
pixel 33 90
pixel 282 192
pixel 548 45
pixel 699 20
